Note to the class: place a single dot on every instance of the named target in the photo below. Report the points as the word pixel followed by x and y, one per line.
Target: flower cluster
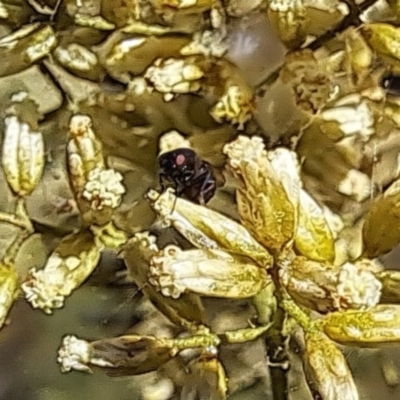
pixel 290 240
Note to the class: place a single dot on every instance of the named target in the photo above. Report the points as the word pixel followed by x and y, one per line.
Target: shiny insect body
pixel 391 83
pixel 191 177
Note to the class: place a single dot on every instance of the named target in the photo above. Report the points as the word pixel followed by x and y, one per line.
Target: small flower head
pixel 74 354
pixel 235 106
pixel 357 287
pixel 68 267
pixel 174 76
pixel 209 273
pixel 207 229
pixel 131 354
pixel 267 194
pixel 103 188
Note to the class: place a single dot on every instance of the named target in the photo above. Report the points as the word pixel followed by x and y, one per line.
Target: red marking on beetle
pixel 180 159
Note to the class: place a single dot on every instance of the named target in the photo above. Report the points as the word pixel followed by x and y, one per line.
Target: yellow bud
pixel 22 156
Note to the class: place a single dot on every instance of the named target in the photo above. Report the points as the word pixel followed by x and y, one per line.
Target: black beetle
pixel 191 177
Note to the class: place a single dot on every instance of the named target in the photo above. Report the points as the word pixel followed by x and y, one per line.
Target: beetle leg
pixel 161 179
pixel 207 185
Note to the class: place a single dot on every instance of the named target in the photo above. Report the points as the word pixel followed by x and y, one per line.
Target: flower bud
pixel 374 327
pixel 330 375
pixel 324 287
pixel 125 355
pixel 287 19
pixel 206 272
pixel 70 264
pixel 85 152
pixel 22 156
pixel 266 196
pixel 207 229
pixel 9 283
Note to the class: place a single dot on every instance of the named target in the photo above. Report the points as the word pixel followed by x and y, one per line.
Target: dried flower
pixel 235 106
pixel 22 156
pixel 209 273
pixel 182 4
pixel 172 140
pixel 266 208
pixel 73 260
pixel 103 188
pixel 174 76
pixel 353 114
pixel 390 281
pixel 358 287
pixel 207 43
pixel 132 354
pixel 79 60
pixel 310 283
pixel 207 229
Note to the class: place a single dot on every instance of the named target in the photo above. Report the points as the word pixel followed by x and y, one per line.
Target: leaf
pixel 381 230
pixel 383 38
pixel 313 238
